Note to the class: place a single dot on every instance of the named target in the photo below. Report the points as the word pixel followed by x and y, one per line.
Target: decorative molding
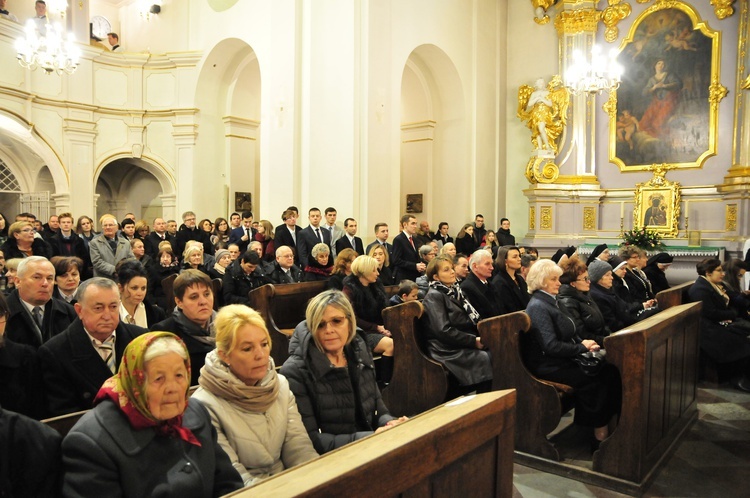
pixel 532 218
pixel 589 218
pixel 546 218
pixel 570 22
pixel 610 106
pixel 723 8
pixel 730 218
pixel 716 92
pixel 611 16
pixel 548 174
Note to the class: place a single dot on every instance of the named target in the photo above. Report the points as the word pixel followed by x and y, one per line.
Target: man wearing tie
pixel 76 362
pixel 406 259
pixel 381 238
pixel 313 234
pixel 335 230
pixel 156 237
pixel 349 240
pixel 244 234
pixel 34 317
pixel 288 233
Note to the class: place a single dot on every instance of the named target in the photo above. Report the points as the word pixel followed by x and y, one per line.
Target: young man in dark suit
pixel 245 233
pixel 288 233
pixel 349 240
pixel 313 234
pixel 406 260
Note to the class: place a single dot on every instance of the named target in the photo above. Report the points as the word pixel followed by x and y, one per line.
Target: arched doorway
pixel 434 135
pixel 131 185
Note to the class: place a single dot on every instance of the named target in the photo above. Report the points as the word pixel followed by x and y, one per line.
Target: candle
pixel 687 208
pixel 622 209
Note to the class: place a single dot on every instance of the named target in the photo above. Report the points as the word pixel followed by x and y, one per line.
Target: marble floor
pixel 712 460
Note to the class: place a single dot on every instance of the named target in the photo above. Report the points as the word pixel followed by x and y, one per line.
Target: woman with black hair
pixel 509 286
pixel 132 280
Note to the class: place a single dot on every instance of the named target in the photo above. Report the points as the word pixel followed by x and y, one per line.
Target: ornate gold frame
pixel 716 90
pixel 669 194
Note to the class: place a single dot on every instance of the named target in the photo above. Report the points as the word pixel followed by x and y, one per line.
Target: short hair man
pixel 234 251
pixel 235 221
pixel 172 228
pixel 504 237
pixel 381 238
pixel 285 272
pixel 51 227
pixel 424 233
pixel 158 235
pixel 114 40
pixel 479 229
pixel 442 236
pixel 76 362
pixel 476 286
pixel 287 234
pixel 245 233
pixel 34 317
pixel 127 228
pixel 190 231
pixel 406 259
pixel 265 268
pixel 241 277
pixel 461 267
pixel 335 230
pixel 107 249
pixel 67 243
pixel 40 19
pixel 350 240
pixel 313 234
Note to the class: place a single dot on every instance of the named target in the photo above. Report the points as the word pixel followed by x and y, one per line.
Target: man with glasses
pixel 286 272
pixel 190 231
pixel 108 249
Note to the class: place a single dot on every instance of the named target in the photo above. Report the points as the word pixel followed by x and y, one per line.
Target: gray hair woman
pixel 319 265
pixel 328 361
pixel 143 437
pixel 252 408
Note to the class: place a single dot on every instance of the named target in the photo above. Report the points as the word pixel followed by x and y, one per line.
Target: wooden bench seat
pixel 419 382
pixel 541 403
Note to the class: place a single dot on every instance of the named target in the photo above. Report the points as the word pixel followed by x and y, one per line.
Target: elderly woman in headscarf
pixel 251 406
pixel 144 437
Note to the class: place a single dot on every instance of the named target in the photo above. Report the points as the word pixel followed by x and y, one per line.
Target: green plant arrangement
pixel 648 240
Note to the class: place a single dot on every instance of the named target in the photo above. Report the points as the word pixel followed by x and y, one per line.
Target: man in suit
pixel 244 234
pixel 67 243
pixel 159 235
pixel 34 317
pixel 476 286
pixel 313 234
pixel 350 240
pixel 76 362
pixel 285 272
pixel 442 236
pixel 107 249
pixel 288 233
pixel 406 259
pixel 335 230
pixel 381 238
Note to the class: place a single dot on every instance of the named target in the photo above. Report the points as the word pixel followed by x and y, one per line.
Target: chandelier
pixel 602 73
pixel 52 51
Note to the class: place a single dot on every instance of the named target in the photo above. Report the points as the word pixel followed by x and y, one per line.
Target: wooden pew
pixel 658 361
pixel 674 295
pixel 418 383
pixel 260 301
pixel 462 448
pixel 216 285
pixel 541 403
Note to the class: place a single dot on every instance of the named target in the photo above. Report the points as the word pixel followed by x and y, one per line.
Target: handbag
pixel 591 362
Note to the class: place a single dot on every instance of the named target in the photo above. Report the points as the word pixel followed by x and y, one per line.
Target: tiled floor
pixel 712 460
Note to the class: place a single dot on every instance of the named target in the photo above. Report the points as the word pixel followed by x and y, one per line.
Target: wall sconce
pixel 148 8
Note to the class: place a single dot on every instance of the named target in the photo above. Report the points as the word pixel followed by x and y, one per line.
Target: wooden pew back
pixel 464 446
pixel 260 301
pixel 658 362
pixel 167 286
pixel 540 403
pixel 674 296
pixel 418 383
pixel 289 302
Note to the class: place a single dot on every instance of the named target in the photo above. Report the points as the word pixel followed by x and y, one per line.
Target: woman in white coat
pixel 253 410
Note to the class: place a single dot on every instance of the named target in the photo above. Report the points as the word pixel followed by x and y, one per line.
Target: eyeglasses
pixel 584 279
pixel 27 230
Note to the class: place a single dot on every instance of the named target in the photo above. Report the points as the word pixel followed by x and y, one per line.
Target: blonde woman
pixel 251 406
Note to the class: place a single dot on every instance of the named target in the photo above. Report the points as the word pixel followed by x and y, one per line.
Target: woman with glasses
pixel 574 296
pixel 21 242
pixel 724 336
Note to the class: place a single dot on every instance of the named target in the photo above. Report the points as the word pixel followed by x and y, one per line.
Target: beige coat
pixel 259 444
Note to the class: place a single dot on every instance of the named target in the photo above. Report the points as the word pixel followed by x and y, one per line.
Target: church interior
pixel 440 108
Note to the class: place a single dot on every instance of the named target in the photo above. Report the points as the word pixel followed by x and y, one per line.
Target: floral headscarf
pixel 127 389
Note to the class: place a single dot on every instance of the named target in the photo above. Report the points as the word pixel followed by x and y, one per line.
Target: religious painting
pixel 666 108
pixel 657 206
pixel 243 201
pixel 413 203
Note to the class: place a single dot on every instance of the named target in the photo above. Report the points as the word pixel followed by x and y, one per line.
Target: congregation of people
pixel 86 325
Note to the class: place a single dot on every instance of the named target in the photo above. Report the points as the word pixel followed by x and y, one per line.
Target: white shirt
pixel 139 318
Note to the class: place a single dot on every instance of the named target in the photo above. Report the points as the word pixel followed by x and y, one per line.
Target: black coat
pixel 405 259
pixel 185 234
pixel 331 411
pixel 278 276
pixel 451 339
pixel 22 328
pixel 505 238
pixel 152 241
pixel 639 288
pixel 103 455
pixel 197 348
pixel 75 246
pixel 237 284
pixel 618 313
pixel 722 343
pixel 343 243
pixel 282 237
pixel 657 278
pixel 20 380
pixel 481 296
pixel 39 247
pixel 306 240
pixel 72 370
pixel 590 323
pixel 368 303
pixel 512 296
pixel 466 244
pixel 30 460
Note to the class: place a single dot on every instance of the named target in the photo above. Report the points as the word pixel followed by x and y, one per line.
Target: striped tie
pixel 107 352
